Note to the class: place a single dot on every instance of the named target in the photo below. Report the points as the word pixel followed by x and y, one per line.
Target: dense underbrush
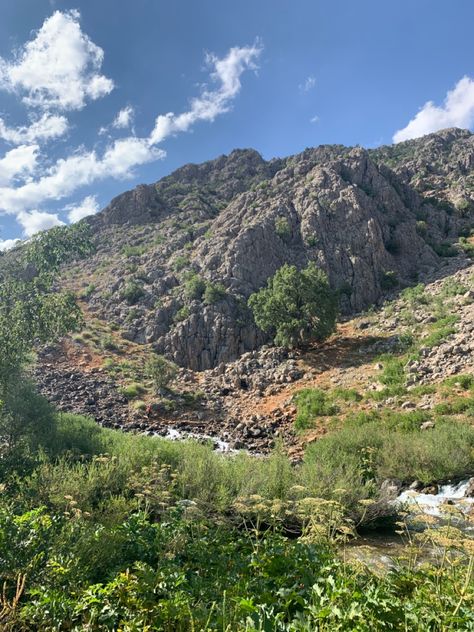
pixel 107 531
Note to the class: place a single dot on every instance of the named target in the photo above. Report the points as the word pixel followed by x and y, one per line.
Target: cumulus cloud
pixel 124 118
pixel 88 206
pixel 308 84
pixel 226 72
pixel 8 244
pixel 78 170
pixel 58 68
pixel 47 127
pixel 314 119
pixel 36 221
pixel 17 162
pixel 456 111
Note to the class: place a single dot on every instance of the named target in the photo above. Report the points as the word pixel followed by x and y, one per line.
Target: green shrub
pixel 161 371
pixel 194 287
pixel 283 228
pixel 132 292
pixel 445 249
pixel 296 307
pixel 388 280
pixel 452 287
pixel 181 314
pixel 415 295
pixel 467 246
pixel 133 390
pixel 214 293
pixel 421 227
pixel 133 251
pixel 312 403
pixel 181 262
pixel 88 291
pixel 108 343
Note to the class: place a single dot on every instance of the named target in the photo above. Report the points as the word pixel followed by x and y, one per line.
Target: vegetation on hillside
pixel 296 307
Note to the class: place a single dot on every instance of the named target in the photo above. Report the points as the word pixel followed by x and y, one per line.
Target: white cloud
pixel 314 119
pixel 8 244
pixel 88 206
pixel 456 111
pixel 308 84
pixel 78 170
pixel 226 72
pixel 47 127
pixel 58 68
pixel 17 162
pixel 26 183
pixel 36 221
pixel 124 118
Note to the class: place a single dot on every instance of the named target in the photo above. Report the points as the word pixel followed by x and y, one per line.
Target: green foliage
pixel 445 249
pixel 440 330
pixel 415 295
pixel 161 371
pixel 452 287
pixel 421 227
pixel 283 228
pixel 133 390
pixel 114 541
pixel 194 287
pixel 312 403
pixel 181 262
pixel 31 309
pixel 296 307
pixel 181 314
pixel 88 291
pixel 48 250
pixel 132 292
pixel 388 280
pixel 467 246
pixel 134 251
pixel 214 293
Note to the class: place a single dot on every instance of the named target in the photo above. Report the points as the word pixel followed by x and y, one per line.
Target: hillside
pixel 376 221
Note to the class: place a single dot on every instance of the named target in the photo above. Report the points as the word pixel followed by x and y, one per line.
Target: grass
pixel 312 403
pixel 133 390
pixel 108 530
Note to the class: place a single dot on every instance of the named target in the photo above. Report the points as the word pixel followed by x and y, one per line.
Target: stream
pixel 384 550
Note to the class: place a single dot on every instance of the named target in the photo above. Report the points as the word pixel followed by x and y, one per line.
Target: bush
pixel 282 228
pixel 132 292
pixel 133 251
pixel 388 280
pixel 445 249
pixel 296 307
pixel 133 390
pixel 194 287
pixel 312 403
pixel 162 371
pixel 214 293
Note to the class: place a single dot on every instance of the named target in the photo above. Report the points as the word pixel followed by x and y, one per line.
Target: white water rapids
pixel 433 504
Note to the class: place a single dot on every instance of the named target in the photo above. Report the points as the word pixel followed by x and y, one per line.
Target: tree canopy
pixel 297 306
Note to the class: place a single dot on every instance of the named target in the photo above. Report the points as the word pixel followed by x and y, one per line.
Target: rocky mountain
pixel 176 260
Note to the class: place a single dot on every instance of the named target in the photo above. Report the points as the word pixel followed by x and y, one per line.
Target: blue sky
pixel 85 88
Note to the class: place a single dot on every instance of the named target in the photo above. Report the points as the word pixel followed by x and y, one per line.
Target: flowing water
pixel 382 551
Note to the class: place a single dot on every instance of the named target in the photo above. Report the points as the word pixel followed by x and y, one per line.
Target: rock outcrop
pixel 371 219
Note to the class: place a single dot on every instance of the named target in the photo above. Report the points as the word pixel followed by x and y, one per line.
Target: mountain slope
pixel 363 216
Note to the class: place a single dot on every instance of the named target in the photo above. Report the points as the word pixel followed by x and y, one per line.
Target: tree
pixel 161 371
pixel 296 307
pixel 32 310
